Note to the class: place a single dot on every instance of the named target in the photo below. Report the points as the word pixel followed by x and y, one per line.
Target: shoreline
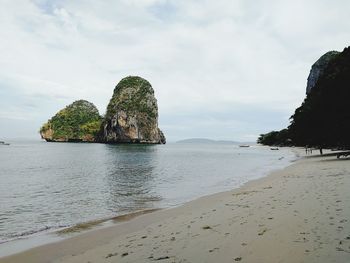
pixel 42 238
pixel 95 226
pixel 95 244
pixel 26 242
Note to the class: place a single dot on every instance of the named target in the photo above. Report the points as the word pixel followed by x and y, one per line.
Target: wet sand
pixel 299 214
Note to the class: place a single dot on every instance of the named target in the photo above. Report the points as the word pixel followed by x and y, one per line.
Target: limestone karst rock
pixel 318 68
pixel 78 122
pixel 132 114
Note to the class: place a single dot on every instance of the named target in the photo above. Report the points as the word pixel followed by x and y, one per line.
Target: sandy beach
pixel 298 214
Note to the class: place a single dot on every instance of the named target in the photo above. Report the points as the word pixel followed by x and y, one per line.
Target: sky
pixel 224 69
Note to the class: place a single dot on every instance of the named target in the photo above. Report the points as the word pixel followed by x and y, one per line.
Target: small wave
pixel 115 219
pixel 29 233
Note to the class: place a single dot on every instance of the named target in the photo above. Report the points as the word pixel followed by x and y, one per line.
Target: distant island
pixel 131 117
pixel 323 119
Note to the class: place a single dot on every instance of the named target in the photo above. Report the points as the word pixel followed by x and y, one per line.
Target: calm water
pixel 46 186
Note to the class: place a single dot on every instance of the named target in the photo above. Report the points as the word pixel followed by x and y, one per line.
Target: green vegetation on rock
pixel 79 121
pixel 132 114
pixel 318 68
pixel 133 94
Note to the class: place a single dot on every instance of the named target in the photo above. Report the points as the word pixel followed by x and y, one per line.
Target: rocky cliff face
pixel 318 68
pixel 78 122
pixel 132 114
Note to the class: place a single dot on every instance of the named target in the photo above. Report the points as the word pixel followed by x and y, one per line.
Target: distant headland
pixel 131 117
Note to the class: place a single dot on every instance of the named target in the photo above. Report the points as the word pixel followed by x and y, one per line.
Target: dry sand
pixel 299 214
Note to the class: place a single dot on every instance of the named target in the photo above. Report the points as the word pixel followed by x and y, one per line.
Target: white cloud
pixel 208 57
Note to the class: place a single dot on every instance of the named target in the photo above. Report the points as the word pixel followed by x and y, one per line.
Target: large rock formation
pixel 322 120
pixel 78 122
pixel 318 68
pixel 132 114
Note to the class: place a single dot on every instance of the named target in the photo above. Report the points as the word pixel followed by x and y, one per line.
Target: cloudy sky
pixel 225 69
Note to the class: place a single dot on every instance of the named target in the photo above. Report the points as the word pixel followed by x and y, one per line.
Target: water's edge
pixel 48 236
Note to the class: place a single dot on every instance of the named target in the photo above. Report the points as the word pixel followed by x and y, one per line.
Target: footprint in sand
pixel 263 231
pixel 161 258
pixel 268 187
pixel 212 250
pixel 111 255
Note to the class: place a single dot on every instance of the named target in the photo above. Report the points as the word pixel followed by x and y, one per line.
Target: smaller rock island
pixel 78 122
pixel 131 117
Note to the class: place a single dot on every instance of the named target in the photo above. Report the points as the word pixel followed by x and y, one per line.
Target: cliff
pixel 132 114
pixel 78 122
pixel 318 69
pixel 322 120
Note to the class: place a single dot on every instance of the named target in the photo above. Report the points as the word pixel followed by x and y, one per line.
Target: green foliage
pixel 77 121
pixel 45 127
pixel 92 127
pixel 276 138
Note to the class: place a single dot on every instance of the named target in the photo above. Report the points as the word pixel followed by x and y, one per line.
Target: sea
pixel 45 187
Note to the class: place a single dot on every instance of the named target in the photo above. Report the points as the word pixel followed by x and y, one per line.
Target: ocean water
pixel 48 186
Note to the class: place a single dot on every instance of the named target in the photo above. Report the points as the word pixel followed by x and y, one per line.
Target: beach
pixel 298 214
